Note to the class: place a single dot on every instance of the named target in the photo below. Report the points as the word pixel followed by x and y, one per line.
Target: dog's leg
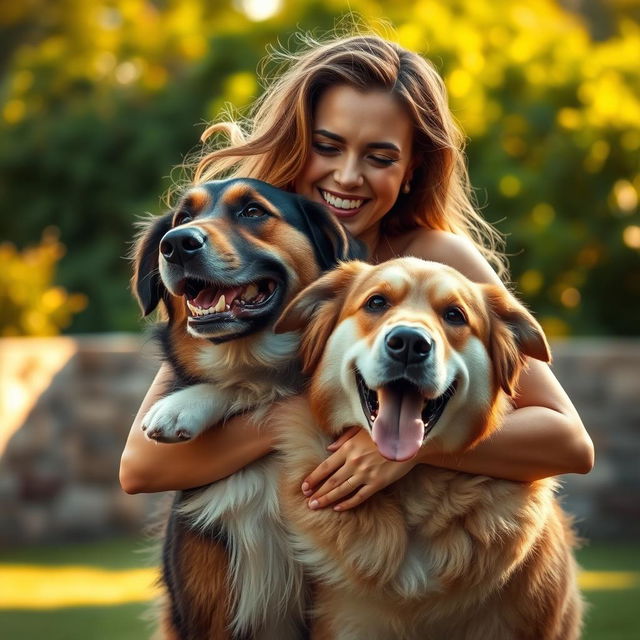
pixel 195 574
pixel 185 414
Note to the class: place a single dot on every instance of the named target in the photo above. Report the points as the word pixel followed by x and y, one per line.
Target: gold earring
pixel 406 187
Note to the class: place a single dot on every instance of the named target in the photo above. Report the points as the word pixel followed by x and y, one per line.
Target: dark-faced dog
pixel 224 264
pixel 417 355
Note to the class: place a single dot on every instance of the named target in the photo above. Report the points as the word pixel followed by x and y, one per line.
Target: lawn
pixel 98 591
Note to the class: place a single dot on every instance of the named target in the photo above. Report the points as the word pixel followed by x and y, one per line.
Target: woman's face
pixel 360 156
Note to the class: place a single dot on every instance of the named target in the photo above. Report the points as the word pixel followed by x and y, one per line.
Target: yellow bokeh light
pixel 569 118
pixel 631 236
pixel 531 281
pixel 570 297
pixel 258 10
pixel 543 214
pixel 241 87
pixel 625 195
pixel 510 186
pixel 14 111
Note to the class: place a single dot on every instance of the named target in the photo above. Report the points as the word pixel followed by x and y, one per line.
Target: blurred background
pixel 101 105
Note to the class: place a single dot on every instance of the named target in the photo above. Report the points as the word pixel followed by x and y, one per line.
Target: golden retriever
pixel 419 356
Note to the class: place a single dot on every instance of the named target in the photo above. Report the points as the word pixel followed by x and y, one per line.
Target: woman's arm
pixel 147 466
pixel 543 436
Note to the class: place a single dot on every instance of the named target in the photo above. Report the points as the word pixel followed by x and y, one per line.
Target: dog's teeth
pixel 227 308
pixel 250 292
pixel 220 306
pixel 271 286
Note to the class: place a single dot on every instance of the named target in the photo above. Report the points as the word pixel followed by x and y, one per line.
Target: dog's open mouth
pixel 399 415
pixel 207 301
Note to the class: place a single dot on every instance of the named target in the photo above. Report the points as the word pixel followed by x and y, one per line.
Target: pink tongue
pixel 208 297
pixel 398 430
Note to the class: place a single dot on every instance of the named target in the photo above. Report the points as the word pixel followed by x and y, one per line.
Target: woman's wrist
pixel 149 467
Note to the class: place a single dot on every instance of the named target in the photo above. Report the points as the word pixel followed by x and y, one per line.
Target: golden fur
pixel 439 554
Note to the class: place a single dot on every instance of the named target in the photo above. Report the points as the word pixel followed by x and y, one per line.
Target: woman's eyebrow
pixel 370 145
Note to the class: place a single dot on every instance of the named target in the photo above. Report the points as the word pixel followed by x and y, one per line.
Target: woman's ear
pixel 515 334
pixel 315 310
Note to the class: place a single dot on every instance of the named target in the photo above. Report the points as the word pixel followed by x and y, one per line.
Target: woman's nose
pixel 348 174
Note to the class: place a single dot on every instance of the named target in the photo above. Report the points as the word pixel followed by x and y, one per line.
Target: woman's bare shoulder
pixel 451 249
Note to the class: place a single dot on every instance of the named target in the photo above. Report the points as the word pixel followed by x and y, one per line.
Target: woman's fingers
pixel 322 471
pixel 343 489
pixel 366 491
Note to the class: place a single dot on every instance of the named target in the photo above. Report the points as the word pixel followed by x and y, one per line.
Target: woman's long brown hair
pixel 274 141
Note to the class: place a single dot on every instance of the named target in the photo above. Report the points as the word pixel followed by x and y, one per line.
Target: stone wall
pixel 66 408
pixel 66 405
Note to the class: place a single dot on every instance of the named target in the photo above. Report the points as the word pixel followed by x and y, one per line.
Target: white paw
pixel 173 419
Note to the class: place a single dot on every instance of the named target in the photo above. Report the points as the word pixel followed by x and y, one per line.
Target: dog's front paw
pixel 169 421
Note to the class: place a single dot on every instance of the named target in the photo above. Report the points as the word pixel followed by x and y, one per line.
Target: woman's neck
pixel 372 238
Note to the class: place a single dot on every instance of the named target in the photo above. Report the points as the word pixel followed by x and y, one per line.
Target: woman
pixel 362 126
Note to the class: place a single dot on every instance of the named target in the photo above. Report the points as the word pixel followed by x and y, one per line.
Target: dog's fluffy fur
pixel 227 569
pixel 439 554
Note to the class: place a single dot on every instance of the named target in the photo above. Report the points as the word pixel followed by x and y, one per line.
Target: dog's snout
pixel 180 245
pixel 408 345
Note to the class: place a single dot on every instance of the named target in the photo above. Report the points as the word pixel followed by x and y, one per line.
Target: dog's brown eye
pixel 182 217
pixel 253 211
pixel 377 303
pixel 454 316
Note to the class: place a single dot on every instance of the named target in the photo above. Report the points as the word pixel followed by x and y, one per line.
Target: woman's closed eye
pixel 383 161
pixel 330 149
pixel 324 148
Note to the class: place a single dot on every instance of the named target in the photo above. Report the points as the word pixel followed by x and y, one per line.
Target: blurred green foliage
pixel 100 99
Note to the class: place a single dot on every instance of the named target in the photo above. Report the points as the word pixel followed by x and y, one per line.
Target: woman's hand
pixel 355 471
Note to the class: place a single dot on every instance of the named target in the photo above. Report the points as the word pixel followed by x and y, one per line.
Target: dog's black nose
pixel 180 245
pixel 408 345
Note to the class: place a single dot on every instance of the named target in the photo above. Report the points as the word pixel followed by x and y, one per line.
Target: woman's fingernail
pixel 314 504
pixel 305 487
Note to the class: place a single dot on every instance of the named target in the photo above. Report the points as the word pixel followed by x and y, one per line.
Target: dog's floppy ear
pixel 146 283
pixel 315 310
pixel 515 334
pixel 331 242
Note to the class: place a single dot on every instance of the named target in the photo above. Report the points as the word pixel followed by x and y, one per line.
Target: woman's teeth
pixel 341 203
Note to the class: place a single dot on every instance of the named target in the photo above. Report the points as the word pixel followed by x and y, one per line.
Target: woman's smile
pixel 343 205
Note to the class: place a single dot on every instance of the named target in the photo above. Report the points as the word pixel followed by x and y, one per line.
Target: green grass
pixel 122 622
pixel 612 614
pixel 108 554
pixel 615 614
